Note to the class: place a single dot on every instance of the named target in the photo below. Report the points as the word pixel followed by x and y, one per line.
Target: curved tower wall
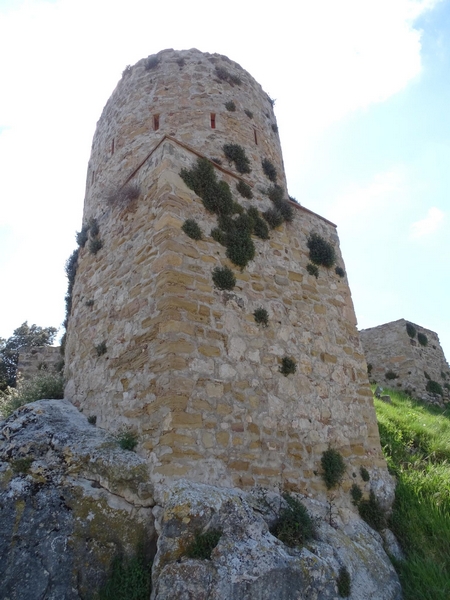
pixel 152 344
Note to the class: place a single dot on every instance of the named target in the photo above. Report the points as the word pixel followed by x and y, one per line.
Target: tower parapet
pixel 153 343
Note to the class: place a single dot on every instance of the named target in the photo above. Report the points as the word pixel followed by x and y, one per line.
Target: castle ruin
pixel 154 344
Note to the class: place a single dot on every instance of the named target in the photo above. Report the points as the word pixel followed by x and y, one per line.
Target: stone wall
pixel 399 361
pixel 36 359
pixel 153 344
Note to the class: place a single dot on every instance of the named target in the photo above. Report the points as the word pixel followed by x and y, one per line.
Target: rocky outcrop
pixel 70 501
pixel 249 563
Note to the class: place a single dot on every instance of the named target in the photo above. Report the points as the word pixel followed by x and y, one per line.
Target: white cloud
pixel 430 224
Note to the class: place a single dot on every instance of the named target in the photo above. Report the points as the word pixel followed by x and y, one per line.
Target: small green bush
pixel 240 248
pixel 248 113
pixel 223 278
pixel 215 195
pixel 312 270
pixel 288 366
pixel 369 369
pixel 224 75
pixel 333 467
pixel 434 387
pixel 129 579
pixel 127 438
pixel 95 245
pixel 261 316
pixel 231 106
pixel 294 526
pixel 275 193
pixel 92 420
pixel 203 544
pixel 83 235
pixel 269 169
pixel 260 229
pixel 411 330
pixel 192 229
pixel 422 339
pixel 364 474
pixel 244 190
pixel 274 128
pixel 321 252
pixel 391 375
pixel 43 386
pixel 21 465
pixel 89 303
pixel 447 386
pixel 285 209
pixel 273 217
pixel 219 236
pixel 344 582
pixel 236 154
pixel 371 511
pixel 339 271
pixel 356 494
pixel 123 196
pixel 101 348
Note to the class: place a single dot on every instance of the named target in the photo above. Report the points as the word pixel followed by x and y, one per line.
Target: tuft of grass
pixel 261 316
pixel 288 366
pixel 363 471
pixel 21 466
pixel 434 387
pixel 333 467
pixel 416 443
pixel 101 348
pixel 191 229
pixel 223 278
pixel 344 582
pixel 129 579
pixel 127 438
pixel 203 544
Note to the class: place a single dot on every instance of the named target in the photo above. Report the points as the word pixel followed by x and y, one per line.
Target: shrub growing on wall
pixel 410 330
pixel 223 278
pixel 321 252
pixel 236 154
pixel 422 339
pixel 333 467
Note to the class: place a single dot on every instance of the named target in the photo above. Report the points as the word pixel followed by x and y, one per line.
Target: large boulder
pixel 70 501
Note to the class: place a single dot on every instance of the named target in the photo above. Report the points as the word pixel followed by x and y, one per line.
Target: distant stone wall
pixel 399 361
pixel 154 345
pixel 38 359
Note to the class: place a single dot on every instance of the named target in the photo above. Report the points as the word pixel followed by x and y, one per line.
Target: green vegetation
pixel 101 348
pixel 422 339
pixel 236 154
pixel 294 526
pixel 45 385
pixel 192 229
pixel 129 579
pixel 123 196
pixel 244 190
pixel 261 316
pixel 223 278
pixel 203 544
pixel 411 330
pixel 225 75
pixel 71 267
pixel 92 419
pixel 356 494
pixel 95 245
pixel 151 63
pixel 416 441
pixel 273 217
pixel 321 252
pixel 339 271
pixel 21 466
pixel 127 438
pixel 82 236
pixel 391 375
pixel 364 474
pixel 434 387
pixel 333 467
pixel 344 582
pixel 372 512
pixel 215 195
pixel 312 270
pixel 269 170
pixel 230 105
pixel 288 366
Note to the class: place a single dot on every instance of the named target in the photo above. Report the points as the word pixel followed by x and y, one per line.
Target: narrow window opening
pixel 155 122
pixel 93 178
pixel 213 120
pixel 112 146
pixel 255 135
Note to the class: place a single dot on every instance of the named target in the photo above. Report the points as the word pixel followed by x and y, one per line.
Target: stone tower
pixel 153 344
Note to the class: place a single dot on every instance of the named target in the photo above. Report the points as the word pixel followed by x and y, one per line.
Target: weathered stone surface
pixel 249 563
pixel 78 502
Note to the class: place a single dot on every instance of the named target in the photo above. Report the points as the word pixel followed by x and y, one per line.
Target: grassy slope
pixel 416 443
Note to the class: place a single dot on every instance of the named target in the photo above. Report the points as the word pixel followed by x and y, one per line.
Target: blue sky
pixel 362 92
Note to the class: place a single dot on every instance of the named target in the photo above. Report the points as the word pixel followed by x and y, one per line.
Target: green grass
pixel 416 442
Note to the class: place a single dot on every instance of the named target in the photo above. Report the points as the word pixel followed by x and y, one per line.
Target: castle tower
pixel 153 343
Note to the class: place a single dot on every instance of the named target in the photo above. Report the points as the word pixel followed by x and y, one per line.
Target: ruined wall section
pixel 37 359
pixel 390 352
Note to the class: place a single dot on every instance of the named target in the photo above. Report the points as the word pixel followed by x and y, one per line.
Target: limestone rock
pixel 70 500
pixel 249 563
